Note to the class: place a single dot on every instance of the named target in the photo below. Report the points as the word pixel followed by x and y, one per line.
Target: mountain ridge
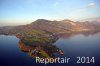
pixel 64 26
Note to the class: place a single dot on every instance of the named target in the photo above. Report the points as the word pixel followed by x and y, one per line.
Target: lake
pixel 83 44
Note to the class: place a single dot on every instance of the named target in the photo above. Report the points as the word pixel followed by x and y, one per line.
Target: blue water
pixel 11 55
pixel 81 44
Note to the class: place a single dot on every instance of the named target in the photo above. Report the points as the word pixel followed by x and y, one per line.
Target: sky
pixel 19 12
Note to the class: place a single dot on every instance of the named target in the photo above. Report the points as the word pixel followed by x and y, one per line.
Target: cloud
pixel 91 4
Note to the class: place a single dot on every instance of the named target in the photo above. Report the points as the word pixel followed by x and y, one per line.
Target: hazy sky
pixel 15 12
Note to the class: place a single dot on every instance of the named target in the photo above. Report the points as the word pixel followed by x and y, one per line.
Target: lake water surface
pixel 85 44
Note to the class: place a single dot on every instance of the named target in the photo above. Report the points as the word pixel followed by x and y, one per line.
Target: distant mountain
pixel 42 25
pixel 95 21
pixel 92 19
